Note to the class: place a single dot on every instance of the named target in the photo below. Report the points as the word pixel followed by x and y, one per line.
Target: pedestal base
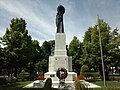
pixel 71 76
pixel 55 81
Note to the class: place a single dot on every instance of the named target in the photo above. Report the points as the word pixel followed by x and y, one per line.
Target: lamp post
pixel 103 69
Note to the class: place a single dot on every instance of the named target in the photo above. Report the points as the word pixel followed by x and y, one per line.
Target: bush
pixel 48 84
pixel 79 85
pixel 23 75
pixel 3 81
pixel 94 75
pixel 84 71
pixel 6 81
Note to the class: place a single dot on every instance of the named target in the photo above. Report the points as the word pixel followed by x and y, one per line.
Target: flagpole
pixel 101 51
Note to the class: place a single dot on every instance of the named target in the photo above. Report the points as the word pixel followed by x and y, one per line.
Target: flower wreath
pixel 61 73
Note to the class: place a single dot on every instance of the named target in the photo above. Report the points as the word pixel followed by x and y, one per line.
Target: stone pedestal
pixel 56 62
pixel 60 44
pixel 71 76
pixel 60 59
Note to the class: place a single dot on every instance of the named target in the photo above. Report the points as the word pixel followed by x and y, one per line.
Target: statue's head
pixel 61 9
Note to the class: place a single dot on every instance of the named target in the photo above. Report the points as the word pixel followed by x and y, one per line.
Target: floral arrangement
pixel 61 73
pixel 41 77
pixel 80 77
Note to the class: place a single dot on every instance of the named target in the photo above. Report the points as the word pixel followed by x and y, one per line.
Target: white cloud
pixel 2 31
pixel 34 20
pixel 79 15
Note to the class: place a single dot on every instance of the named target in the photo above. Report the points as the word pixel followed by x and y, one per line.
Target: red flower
pixel 80 77
pixel 40 77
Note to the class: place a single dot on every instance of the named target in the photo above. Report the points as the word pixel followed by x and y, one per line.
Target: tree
pixel 36 56
pixel 46 52
pixel 114 50
pixel 75 51
pixel 46 48
pixel 91 49
pixel 1 60
pixel 41 67
pixel 18 46
pixel 86 48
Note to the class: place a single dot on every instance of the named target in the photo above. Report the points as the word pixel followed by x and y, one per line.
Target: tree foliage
pixel 89 51
pixel 91 46
pixel 1 59
pixel 46 52
pixel 75 51
pixel 114 50
pixel 20 51
pixel 18 43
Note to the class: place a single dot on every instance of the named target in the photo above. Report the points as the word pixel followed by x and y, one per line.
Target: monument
pixel 60 58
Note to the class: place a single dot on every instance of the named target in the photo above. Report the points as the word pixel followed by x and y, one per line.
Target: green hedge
pixel 23 75
pixel 114 78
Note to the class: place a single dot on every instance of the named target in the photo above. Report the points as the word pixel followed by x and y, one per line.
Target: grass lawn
pixel 22 84
pixel 17 85
pixel 110 85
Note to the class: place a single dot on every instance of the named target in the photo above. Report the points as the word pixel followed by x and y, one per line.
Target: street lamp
pixel 103 69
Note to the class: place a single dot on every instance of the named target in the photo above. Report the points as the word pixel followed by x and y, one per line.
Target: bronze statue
pixel 59 19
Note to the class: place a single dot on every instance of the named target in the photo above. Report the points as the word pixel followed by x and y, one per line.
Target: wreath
pixel 61 73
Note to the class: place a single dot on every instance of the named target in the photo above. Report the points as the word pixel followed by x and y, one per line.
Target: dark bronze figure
pixel 59 19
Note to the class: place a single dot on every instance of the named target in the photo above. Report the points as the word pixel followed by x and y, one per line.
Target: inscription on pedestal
pixel 52 75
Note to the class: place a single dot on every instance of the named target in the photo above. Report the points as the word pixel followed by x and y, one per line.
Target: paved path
pixel 89 85
pixel 40 84
pixel 35 84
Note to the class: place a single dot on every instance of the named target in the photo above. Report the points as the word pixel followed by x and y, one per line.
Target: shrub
pixel 6 81
pixel 114 77
pixel 95 75
pixel 48 84
pixel 23 75
pixel 84 71
pixel 3 81
pixel 79 85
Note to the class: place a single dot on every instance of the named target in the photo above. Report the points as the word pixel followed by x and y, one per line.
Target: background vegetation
pixel 20 52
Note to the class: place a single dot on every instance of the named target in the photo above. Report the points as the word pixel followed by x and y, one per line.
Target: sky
pixel 40 16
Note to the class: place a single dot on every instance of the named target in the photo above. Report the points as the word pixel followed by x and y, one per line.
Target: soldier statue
pixel 59 19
